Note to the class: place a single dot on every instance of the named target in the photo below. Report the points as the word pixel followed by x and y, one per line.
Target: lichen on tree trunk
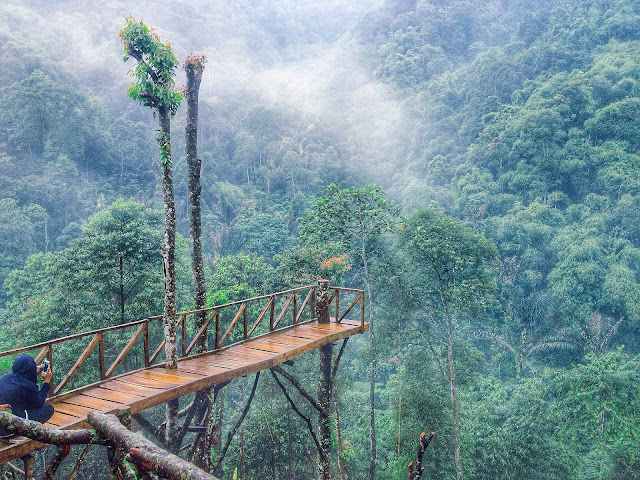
pixel 325 389
pixel 194 66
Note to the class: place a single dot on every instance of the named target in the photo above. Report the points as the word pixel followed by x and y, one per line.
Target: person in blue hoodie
pixel 20 390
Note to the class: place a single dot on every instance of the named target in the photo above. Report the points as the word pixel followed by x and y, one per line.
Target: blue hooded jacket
pixel 20 388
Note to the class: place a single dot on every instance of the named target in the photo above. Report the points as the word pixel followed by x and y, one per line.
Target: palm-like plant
pixel 527 313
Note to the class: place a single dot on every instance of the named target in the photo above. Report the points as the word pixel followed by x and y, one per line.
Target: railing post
pixel 337 306
pixel 101 355
pixel 145 339
pixel 295 307
pixel 322 301
pixel 313 303
pixel 272 313
pixel 184 336
pixel 244 319
pixel 217 330
pixel 362 312
pixel 50 358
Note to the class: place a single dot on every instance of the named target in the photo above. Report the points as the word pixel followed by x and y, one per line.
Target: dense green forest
pixel 493 148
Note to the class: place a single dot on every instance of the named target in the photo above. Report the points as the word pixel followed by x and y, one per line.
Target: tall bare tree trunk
pixel 454 406
pixel 169 247
pixel 169 269
pixel 374 368
pixel 194 66
pixel 325 387
pixel 342 467
pixel 324 401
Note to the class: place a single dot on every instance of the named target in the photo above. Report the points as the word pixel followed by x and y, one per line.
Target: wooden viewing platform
pixel 151 385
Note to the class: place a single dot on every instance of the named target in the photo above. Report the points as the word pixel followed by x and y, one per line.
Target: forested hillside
pixel 501 245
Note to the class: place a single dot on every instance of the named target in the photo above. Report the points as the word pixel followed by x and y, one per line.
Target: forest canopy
pixel 494 147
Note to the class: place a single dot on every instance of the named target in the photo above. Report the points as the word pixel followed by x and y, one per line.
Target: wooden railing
pixel 283 309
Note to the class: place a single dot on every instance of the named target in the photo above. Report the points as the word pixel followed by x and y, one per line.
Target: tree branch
pixel 76 469
pixel 60 455
pixel 149 427
pixel 302 415
pixel 233 431
pixel 200 397
pixel 300 389
pixel 336 363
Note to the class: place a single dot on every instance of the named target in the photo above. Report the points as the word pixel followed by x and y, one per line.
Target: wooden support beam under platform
pixel 143 389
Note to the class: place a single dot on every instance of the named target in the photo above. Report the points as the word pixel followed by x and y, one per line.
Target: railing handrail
pixel 147 319
pixel 296 313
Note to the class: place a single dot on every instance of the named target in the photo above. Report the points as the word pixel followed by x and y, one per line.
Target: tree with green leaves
pixel 597 403
pixel 353 217
pixel 523 338
pixel 453 281
pixel 154 87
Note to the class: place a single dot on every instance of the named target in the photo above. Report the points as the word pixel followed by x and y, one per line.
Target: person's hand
pixel 39 368
pixel 48 375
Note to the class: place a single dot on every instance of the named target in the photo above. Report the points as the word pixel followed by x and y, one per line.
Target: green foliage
pixel 348 216
pixel 598 404
pixel 110 274
pixel 306 265
pixel 517 117
pixel 19 231
pixel 236 277
pixel 154 84
pixel 454 264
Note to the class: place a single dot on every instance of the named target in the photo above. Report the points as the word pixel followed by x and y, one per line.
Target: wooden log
pixel 144 452
pixel 37 431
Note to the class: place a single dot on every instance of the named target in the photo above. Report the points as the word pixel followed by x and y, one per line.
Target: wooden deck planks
pixel 144 389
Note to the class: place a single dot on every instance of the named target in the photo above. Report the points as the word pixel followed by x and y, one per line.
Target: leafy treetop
pixel 154 85
pixel 348 216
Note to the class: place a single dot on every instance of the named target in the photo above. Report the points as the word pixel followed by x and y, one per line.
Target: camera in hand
pixel 45 366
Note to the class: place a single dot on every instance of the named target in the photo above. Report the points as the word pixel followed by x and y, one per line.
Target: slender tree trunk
pixel 454 406
pixel 374 368
pixel 169 269
pixel 169 247
pixel 289 447
pixel 342 466
pixel 324 401
pixel 241 469
pixel 194 67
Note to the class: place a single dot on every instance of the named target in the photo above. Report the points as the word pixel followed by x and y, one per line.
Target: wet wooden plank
pixel 145 382
pixel 253 353
pixel 208 369
pixel 60 419
pixel 111 395
pixel 205 364
pixel 95 403
pixel 268 346
pixel 163 377
pixel 176 373
pixel 125 387
pixel 71 409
